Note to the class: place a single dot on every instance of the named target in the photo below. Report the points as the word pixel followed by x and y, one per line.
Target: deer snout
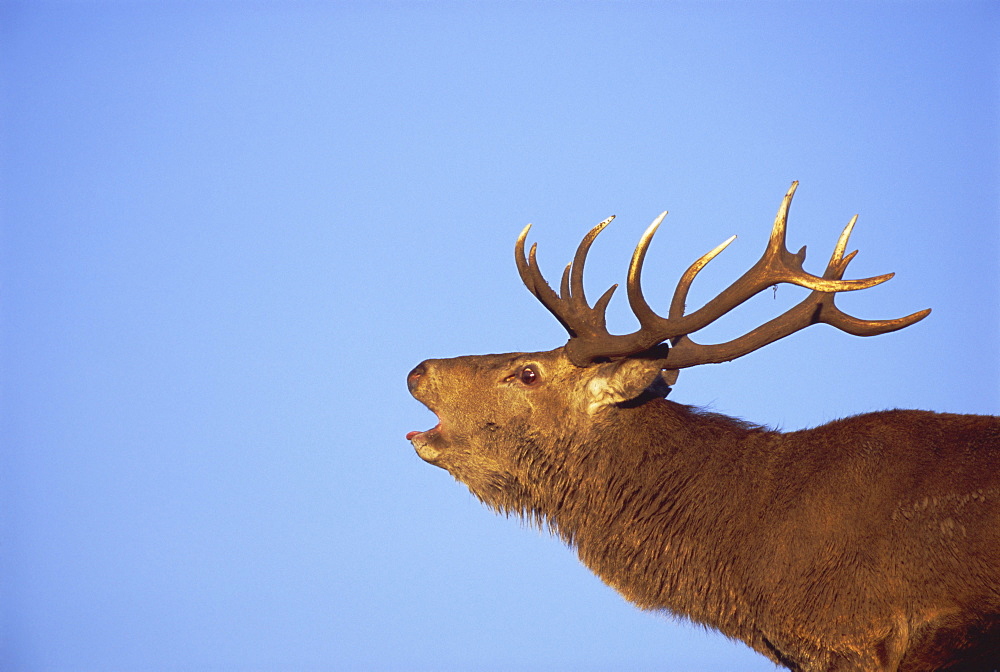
pixel 413 378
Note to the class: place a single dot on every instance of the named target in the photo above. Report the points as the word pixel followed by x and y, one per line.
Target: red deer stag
pixel 869 543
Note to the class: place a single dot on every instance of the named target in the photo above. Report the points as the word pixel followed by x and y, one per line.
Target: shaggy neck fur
pixel 640 507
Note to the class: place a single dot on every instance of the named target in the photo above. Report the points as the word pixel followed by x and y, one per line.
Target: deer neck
pixel 644 516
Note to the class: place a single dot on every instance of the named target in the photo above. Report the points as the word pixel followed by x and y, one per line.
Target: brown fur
pixel 869 543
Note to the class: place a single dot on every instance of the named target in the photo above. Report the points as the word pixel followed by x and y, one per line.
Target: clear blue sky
pixel 230 229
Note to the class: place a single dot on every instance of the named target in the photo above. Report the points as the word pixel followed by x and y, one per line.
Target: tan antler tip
pixel 647 236
pixel 681 292
pixel 856 327
pixel 838 251
pixel 828 285
pixel 564 290
pixel 777 240
pixel 711 254
pixel 635 266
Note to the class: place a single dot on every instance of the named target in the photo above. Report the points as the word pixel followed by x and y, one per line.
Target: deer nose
pixel 413 378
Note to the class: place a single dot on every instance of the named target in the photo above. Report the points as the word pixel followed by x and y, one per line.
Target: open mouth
pixel 427 434
pixel 423 442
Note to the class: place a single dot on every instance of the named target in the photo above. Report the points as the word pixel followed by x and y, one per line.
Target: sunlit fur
pixel 869 543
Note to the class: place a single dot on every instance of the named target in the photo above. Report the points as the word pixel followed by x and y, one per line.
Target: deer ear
pixel 633 379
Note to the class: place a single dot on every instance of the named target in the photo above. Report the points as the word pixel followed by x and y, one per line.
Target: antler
pixel 591 342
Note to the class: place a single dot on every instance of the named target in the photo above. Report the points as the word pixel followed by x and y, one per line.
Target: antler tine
pixel 564 292
pixel 679 301
pixel 580 258
pixel 633 285
pixel 684 284
pixel 838 251
pixel 777 240
pixel 532 276
pixel 776 244
pixel 523 268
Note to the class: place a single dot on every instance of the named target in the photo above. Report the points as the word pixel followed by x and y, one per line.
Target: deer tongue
pixel 412 435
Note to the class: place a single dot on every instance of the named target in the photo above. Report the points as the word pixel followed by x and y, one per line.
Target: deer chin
pixel 422 443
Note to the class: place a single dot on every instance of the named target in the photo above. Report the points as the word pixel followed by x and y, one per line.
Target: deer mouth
pixel 422 442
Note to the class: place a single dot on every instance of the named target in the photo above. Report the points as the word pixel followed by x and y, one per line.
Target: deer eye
pixel 528 375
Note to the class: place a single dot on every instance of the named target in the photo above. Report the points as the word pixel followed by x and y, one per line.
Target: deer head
pixel 507 421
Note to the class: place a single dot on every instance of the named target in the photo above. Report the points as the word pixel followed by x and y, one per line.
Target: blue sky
pixel 230 229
